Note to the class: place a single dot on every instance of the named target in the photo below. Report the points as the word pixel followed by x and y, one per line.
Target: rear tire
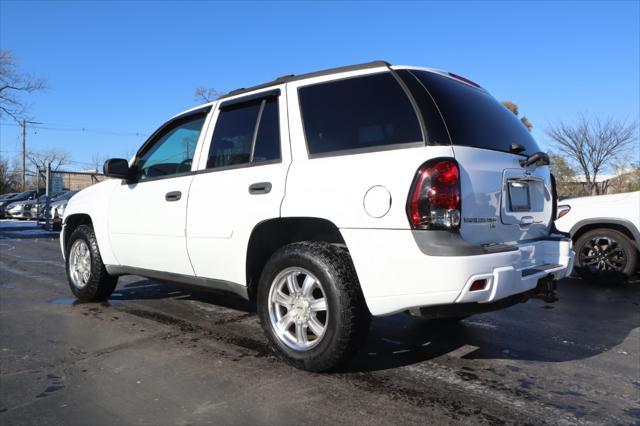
pixel 605 256
pixel 87 275
pixel 300 331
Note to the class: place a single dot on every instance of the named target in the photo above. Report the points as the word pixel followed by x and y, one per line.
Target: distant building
pixel 74 181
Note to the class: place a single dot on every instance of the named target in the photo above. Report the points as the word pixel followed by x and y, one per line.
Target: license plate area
pixel 519 195
pixel 526 199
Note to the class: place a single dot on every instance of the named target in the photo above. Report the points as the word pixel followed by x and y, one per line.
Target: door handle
pixel 173 196
pixel 260 188
pixel 526 220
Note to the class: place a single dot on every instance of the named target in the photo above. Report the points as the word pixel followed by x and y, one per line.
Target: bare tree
pixel 9 177
pixel 593 144
pixel 56 157
pixel 98 160
pixel 206 94
pixel 566 176
pixel 13 84
pixel 514 109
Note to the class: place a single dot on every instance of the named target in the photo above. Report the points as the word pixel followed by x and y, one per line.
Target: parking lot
pixel 164 354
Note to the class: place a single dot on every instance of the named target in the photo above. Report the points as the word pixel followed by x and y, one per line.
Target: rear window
pixel 357 114
pixel 474 117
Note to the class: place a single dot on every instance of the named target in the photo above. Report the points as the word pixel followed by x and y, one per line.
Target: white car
pixel 606 234
pixel 327 197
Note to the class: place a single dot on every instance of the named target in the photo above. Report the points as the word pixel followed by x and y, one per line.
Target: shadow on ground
pixel 588 320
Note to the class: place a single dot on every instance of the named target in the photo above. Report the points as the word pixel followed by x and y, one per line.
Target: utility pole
pixel 24 152
pixel 47 191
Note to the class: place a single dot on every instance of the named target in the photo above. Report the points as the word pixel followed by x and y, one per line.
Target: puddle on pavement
pixel 71 301
pixel 65 301
pixel 56 385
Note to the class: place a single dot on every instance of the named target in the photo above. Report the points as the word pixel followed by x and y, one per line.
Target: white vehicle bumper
pixel 395 275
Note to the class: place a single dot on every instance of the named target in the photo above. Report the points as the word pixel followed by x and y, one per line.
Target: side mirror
pixel 117 168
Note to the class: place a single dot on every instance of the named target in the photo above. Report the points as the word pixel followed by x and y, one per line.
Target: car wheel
pixel 605 256
pixel 87 275
pixel 311 307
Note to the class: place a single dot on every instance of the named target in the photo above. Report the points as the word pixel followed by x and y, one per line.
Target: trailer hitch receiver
pixel 546 289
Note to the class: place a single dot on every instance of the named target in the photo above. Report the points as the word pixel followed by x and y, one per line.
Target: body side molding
pixel 211 283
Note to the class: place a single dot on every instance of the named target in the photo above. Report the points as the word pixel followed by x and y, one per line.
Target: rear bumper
pixel 396 275
pixel 537 260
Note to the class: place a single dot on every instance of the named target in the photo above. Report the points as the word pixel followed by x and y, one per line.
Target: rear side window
pixel 246 133
pixel 474 117
pixel 357 113
pixel 267 146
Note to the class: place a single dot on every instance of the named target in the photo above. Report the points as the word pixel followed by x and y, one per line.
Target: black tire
pixel 100 284
pixel 619 252
pixel 348 318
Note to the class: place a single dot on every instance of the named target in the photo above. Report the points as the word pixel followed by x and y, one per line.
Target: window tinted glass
pixel 356 113
pixel 475 118
pixel 233 135
pixel 173 151
pixel 436 130
pixel 268 138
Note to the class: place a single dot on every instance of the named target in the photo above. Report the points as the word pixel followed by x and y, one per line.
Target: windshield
pixel 474 117
pixel 65 196
pixel 22 195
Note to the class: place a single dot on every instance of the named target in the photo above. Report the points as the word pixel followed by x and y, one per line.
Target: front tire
pixel 311 307
pixel 87 275
pixel 605 256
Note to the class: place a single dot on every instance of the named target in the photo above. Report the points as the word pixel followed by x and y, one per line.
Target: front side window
pixel 357 113
pixel 246 133
pixel 173 150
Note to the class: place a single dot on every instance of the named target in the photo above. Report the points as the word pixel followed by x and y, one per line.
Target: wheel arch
pixel 71 223
pixel 269 235
pixel 624 226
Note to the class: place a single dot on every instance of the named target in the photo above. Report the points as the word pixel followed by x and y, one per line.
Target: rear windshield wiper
pixel 536 159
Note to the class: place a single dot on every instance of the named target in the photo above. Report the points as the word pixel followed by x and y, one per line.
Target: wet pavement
pixel 166 354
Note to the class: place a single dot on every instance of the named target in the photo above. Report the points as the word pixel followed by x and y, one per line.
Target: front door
pixel 147 215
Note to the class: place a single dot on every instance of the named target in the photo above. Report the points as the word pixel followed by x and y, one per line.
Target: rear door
pixel 502 202
pixel 240 182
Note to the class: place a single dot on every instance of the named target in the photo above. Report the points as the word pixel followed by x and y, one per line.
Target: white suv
pixel 606 233
pixel 328 197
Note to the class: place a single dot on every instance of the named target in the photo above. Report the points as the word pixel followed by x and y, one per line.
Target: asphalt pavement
pixel 165 354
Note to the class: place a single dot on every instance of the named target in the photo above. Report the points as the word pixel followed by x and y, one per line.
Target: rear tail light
pixel 434 200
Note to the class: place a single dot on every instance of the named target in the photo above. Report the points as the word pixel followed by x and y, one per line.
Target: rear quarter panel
pixel 334 187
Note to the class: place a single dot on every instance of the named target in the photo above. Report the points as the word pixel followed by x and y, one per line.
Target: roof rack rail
pixel 293 77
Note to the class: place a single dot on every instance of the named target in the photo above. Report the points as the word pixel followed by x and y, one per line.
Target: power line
pixel 62 128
